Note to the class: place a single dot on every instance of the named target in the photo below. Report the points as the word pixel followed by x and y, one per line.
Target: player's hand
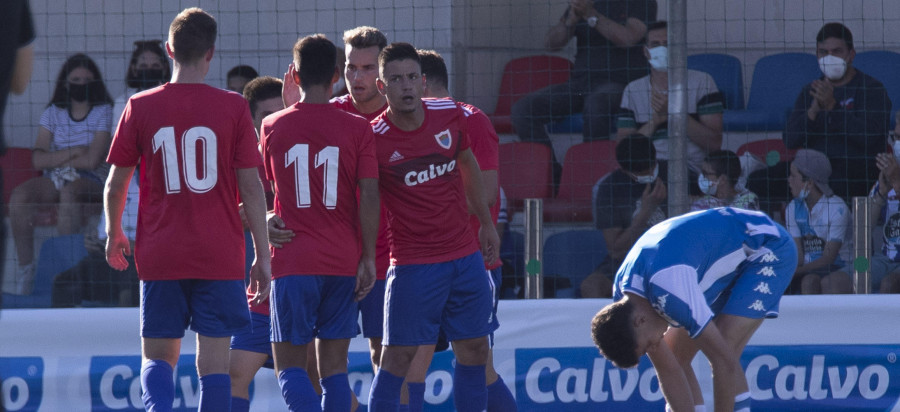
pixel 290 90
pixel 278 236
pixel 260 280
pixel 365 278
pixel 117 247
pixel 490 243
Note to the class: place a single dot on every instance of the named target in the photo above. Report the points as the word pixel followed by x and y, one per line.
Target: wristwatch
pixel 592 21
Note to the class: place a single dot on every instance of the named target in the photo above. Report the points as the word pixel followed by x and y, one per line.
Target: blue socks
pixel 416 396
pixel 385 392
pixel 240 404
pixel 336 393
pixel 297 390
pixel 469 391
pixel 215 392
pixel 500 399
pixel 158 386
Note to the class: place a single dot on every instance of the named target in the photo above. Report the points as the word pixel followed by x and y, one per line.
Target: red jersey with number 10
pixel 422 187
pixel 190 139
pixel 316 154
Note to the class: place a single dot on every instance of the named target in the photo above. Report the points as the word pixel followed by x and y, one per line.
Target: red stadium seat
pixel 524 75
pixel 525 172
pixel 17 168
pixel 770 151
pixel 584 165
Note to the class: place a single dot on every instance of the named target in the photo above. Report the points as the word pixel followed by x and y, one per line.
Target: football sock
pixel 158 385
pixel 385 392
pixel 215 392
pixel 416 396
pixel 500 399
pixel 336 393
pixel 240 404
pixel 298 391
pixel 469 391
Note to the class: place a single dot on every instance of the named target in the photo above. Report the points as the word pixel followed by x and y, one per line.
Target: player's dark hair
pixel 242 70
pixel 636 153
pixel 97 93
pixel 140 47
pixel 261 88
pixel 433 67
pixel 398 51
pixel 315 59
pixel 364 37
pixel 836 30
pixel 191 34
pixel 613 333
pixel 725 162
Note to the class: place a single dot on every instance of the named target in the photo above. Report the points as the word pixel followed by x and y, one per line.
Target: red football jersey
pixel 382 245
pixel 486 148
pixel 316 154
pixel 190 139
pixel 422 188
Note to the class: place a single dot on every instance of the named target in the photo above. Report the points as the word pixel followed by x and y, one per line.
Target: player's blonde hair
pixel 364 37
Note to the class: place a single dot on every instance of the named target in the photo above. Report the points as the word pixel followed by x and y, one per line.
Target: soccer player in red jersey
pixel 198 152
pixel 437 281
pixel 318 157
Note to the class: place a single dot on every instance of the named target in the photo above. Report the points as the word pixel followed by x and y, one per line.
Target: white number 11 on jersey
pixel 299 157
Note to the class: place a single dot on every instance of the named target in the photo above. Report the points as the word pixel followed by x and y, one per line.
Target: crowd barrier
pixel 834 353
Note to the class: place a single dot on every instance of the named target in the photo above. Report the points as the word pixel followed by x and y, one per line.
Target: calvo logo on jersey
pixel 444 139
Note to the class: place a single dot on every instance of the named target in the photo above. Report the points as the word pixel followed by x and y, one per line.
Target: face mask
pixel 659 58
pixel 896 147
pixel 833 67
pixel 707 186
pixel 804 193
pixel 147 78
pixel 647 179
pixel 78 92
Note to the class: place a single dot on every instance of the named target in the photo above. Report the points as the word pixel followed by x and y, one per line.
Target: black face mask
pixel 78 92
pixel 146 79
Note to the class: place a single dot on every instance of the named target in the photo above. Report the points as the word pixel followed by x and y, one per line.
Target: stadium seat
pixel 884 66
pixel 573 255
pixel 57 255
pixel 583 166
pixel 524 75
pixel 777 81
pixel 573 123
pixel 17 168
pixel 525 172
pixel 727 72
pixel 770 151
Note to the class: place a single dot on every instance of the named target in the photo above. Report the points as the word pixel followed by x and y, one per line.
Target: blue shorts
pixel 756 292
pixel 256 339
pixel 305 307
pixel 371 309
pixel 497 277
pixel 214 308
pixel 454 297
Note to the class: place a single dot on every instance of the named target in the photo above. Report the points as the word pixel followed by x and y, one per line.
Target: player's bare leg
pixel 413 390
pixel 242 369
pixel 737 331
pixel 375 352
pixel 159 359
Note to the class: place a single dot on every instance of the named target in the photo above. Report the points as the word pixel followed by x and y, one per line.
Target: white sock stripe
pixel 742 397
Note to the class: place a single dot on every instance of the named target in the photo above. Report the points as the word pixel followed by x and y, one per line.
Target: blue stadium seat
pixel 727 72
pixel 883 65
pixel 573 123
pixel 57 255
pixel 777 81
pixel 573 255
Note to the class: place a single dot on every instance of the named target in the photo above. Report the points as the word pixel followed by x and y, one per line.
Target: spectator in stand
pixel 718 181
pixel 607 36
pixel 845 115
pixel 147 69
pixel 72 140
pixel 884 268
pixel 819 221
pixel 645 106
pixel 239 76
pixel 626 203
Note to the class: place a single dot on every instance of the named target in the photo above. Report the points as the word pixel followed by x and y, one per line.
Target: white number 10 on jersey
pixel 298 155
pixel 165 139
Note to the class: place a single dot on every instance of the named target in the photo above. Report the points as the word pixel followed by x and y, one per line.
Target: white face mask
pixel 896 147
pixel 659 58
pixel 707 186
pixel 833 67
pixel 647 179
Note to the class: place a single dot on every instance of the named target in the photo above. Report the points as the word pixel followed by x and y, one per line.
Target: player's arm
pixel 672 379
pixel 254 198
pixel 22 71
pixel 474 186
pixel 728 376
pixel 369 213
pixel 114 196
pixel 95 153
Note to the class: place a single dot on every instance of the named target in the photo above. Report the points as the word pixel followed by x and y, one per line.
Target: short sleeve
pixel 485 142
pixel 47 118
pixel 246 148
pixel 100 119
pixel 676 296
pixel 123 150
pixel 839 222
pixel 465 141
pixel 710 99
